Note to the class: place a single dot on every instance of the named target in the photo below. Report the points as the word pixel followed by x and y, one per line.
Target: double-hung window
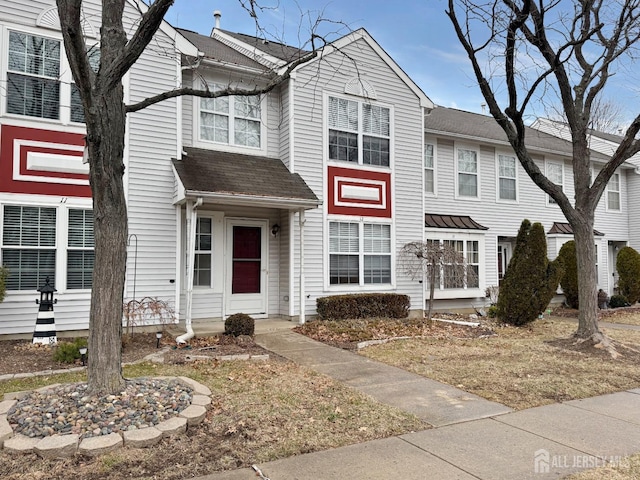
pixel 202 264
pixel 80 251
pixel 359 132
pixel 77 109
pixel 555 173
pixel 33 76
pixel 507 168
pixel 29 246
pixel 613 192
pixel 429 168
pixel 459 267
pixel 467 173
pixel 359 253
pixel 233 120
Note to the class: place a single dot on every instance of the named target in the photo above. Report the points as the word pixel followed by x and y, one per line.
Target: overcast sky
pixel 416 33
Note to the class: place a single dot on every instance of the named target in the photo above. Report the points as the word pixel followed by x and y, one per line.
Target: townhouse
pixel 260 204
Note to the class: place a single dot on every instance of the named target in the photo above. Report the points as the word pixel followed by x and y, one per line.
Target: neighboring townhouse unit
pixel 259 204
pixel 477 194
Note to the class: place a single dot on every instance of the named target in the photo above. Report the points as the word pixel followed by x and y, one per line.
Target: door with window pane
pixel 247 267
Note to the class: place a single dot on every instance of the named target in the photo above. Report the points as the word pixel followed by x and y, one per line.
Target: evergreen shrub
pixel 628 266
pixel 569 280
pixel 239 324
pixel 617 301
pixel 531 280
pixel 69 352
pixel 363 305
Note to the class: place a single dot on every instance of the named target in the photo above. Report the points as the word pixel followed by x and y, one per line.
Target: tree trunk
pixel 587 281
pixel 105 138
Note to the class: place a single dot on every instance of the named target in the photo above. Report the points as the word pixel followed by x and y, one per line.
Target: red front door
pixel 247 259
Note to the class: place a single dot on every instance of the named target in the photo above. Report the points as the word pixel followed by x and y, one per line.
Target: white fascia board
pixel 182 44
pixel 258 55
pixel 253 201
pixel 362 34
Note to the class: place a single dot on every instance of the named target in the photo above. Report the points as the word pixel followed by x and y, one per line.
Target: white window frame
pixel 199 252
pixel 361 286
pixel 551 201
pixel 464 292
pixel 65 78
pixel 230 144
pixel 476 150
pixel 83 248
pixel 61 244
pixel 611 191
pixel 433 168
pixel 359 132
pixel 499 156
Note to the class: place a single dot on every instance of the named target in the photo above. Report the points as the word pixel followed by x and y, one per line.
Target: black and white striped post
pixel 45 331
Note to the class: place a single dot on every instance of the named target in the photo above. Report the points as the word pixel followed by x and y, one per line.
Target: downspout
pixel 191 245
pixel 303 303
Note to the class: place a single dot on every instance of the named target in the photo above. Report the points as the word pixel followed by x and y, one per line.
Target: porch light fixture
pixel 275 229
pixel 83 355
pixel 158 337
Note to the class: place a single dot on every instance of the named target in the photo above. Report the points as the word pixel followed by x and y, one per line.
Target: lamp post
pixel 83 356
pixel 158 337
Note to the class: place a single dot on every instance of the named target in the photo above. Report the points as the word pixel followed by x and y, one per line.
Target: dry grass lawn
pixel 628 470
pixel 261 411
pixel 616 316
pixel 520 367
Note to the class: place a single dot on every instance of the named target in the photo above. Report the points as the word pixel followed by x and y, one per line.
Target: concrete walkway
pixel 473 438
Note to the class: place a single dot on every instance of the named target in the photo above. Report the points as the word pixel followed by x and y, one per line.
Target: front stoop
pixel 60 446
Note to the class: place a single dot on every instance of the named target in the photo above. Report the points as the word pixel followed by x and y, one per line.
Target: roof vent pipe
pixel 217 14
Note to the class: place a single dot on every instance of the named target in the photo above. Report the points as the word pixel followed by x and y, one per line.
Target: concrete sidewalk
pixel 473 438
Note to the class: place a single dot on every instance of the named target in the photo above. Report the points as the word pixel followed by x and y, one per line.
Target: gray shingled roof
pixel 217 50
pixel 566 229
pixel 275 49
pixel 465 222
pixel 450 121
pixel 209 171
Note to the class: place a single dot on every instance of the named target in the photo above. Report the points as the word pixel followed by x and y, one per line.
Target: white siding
pixel 312 83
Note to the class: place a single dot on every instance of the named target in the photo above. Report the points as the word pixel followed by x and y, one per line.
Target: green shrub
pixel 628 265
pixel 4 273
pixel 239 324
pixel 617 301
pixel 569 280
pixel 530 281
pixel 492 311
pixel 69 352
pixel 363 305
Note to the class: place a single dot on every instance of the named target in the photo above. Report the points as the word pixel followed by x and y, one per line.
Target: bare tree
pixel 606 115
pixel 436 261
pixel 573 47
pixel 105 111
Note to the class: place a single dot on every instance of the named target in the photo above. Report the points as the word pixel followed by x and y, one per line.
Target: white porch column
pixel 303 303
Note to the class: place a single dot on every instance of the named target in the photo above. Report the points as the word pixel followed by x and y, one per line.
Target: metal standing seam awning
pixel 560 228
pixel 226 178
pixel 460 222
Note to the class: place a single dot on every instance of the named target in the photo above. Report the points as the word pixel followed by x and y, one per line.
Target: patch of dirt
pixel 347 334
pixel 22 356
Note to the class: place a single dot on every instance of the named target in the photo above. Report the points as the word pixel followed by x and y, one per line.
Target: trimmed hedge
pixel 363 305
pixel 239 324
pixel 617 301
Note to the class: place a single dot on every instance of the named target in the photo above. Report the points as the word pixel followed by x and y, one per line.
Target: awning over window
pixel 560 228
pixel 236 179
pixel 461 222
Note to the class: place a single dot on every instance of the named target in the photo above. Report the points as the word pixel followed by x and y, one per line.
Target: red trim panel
pixel 361 193
pixel 16 145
